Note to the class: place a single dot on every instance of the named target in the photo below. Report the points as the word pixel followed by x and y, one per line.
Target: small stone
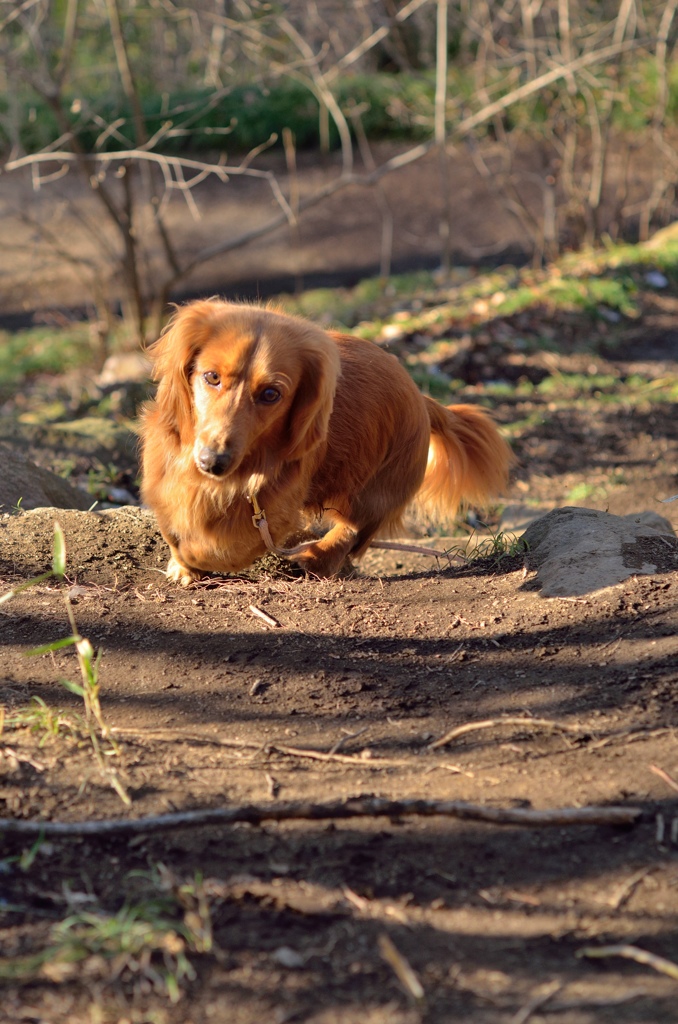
pixel 287 957
pixel 656 279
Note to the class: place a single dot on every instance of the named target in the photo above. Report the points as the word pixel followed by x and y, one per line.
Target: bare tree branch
pixel 345 181
pixel 359 807
pixel 440 134
pixel 587 60
pixel 372 40
pixel 313 63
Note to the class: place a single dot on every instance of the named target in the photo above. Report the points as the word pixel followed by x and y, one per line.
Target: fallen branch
pixel 359 807
pixel 537 1001
pixel 493 723
pixel 641 956
pixel 559 1005
pixel 172 735
pixel 266 748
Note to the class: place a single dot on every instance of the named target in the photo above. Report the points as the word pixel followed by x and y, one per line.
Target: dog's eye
pixel 268 396
pixel 211 377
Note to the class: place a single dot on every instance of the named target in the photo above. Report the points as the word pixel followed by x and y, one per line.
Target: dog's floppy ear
pixel 310 413
pixel 173 355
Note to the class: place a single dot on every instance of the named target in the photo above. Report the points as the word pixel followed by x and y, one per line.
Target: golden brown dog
pixel 253 403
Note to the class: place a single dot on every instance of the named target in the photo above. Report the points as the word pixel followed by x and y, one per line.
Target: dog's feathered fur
pixel 314 424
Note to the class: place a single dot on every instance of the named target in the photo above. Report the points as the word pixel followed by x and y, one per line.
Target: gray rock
pixel 578 551
pixel 653 520
pixel 124 368
pixel 31 486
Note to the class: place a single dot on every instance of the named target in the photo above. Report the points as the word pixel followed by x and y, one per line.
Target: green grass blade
pixel 24 586
pixel 75 688
pixel 59 554
pixel 56 645
pixel 58 569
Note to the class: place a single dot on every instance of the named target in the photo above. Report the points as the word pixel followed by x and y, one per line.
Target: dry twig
pixel 171 735
pixel 345 738
pixel 273 786
pixel 558 1005
pixel 358 807
pixel 320 755
pixel 401 968
pixel 492 723
pixel 13 755
pixel 416 549
pixel 641 956
pixel 542 997
pixel 665 776
pixel 264 616
pixel 626 889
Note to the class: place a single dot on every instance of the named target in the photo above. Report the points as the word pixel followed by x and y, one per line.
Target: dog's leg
pixel 177 572
pixel 327 556
pixel 196 558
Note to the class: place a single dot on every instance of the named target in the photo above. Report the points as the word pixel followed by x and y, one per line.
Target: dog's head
pixel 247 388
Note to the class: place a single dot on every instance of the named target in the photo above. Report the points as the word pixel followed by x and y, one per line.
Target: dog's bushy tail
pixel 468 463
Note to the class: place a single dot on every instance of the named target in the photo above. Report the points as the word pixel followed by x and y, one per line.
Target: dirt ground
pixel 342 696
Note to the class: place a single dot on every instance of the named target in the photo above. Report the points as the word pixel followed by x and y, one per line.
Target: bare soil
pixel 343 698
pixel 213 707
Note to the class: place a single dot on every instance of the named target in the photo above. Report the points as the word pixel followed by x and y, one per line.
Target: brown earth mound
pixel 341 693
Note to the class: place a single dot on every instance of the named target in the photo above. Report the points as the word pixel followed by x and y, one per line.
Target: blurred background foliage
pixel 227 75
pixel 141 100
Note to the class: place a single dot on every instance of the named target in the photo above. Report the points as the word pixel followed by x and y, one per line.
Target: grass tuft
pixel 146 944
pixel 100 737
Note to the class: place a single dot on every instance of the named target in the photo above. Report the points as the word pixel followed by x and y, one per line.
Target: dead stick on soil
pixel 320 755
pixel 264 616
pixel 401 968
pixel 559 1005
pixel 536 1002
pixel 415 549
pixel 171 735
pixel 491 723
pixel 344 739
pixel 360 807
pixel 641 956
pixel 665 776
pixel 625 890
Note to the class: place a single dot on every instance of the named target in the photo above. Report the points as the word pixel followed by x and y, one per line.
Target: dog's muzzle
pixel 213 463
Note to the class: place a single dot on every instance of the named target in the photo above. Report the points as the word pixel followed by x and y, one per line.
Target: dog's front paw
pixel 178 573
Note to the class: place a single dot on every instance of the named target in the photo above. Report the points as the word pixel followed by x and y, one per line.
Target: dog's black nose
pixel 213 462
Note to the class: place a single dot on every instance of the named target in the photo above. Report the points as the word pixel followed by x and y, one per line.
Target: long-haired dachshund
pixel 257 406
